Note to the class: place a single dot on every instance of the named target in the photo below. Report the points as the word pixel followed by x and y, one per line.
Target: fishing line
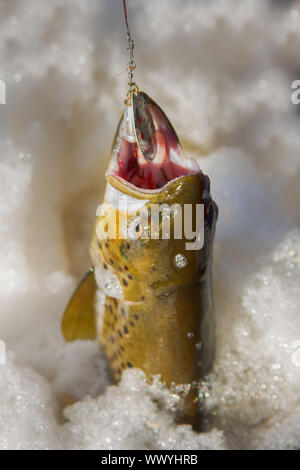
pixel 130 48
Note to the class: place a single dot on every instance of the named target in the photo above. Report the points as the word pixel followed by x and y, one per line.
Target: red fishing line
pixel 125 11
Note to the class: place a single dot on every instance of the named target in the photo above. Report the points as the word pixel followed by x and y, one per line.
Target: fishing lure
pixel 153 308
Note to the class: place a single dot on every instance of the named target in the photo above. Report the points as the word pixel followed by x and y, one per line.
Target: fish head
pixel 146 151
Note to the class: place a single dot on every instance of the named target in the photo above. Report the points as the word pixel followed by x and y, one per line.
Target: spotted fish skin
pixel 154 313
pixel 161 320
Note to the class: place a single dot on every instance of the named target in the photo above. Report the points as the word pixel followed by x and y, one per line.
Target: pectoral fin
pixel 79 320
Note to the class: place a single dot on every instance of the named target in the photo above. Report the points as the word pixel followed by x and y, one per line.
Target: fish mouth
pixel 168 162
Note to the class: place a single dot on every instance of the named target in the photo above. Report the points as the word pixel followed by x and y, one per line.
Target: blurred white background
pixel 222 70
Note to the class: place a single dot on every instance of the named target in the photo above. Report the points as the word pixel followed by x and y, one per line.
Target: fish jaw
pixel 128 161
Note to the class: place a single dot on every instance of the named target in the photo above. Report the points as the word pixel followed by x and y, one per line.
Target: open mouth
pixel 133 140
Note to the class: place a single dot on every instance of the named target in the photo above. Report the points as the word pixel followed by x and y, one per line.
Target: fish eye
pixel 136 228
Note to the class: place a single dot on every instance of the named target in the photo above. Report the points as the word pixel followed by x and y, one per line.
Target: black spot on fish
pixel 129 364
pixel 120 333
pixel 104 265
pixel 122 249
pixel 129 276
pixel 142 298
pixel 125 329
pixel 125 282
pixel 136 316
pixel 128 246
pixel 153 268
pixel 99 244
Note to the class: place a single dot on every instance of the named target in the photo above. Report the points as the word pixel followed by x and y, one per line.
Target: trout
pixel 154 305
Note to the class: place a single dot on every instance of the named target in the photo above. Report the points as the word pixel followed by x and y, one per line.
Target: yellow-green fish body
pixel 155 303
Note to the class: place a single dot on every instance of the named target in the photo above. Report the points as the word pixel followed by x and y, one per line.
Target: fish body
pixel 155 295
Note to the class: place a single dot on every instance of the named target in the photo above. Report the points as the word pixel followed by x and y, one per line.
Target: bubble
pixel 180 261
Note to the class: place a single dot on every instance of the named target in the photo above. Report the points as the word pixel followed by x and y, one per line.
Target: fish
pixel 147 298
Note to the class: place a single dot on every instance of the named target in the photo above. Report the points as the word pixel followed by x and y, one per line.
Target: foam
pixel 229 99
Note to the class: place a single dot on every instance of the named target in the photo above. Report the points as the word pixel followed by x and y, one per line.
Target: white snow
pixel 222 70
